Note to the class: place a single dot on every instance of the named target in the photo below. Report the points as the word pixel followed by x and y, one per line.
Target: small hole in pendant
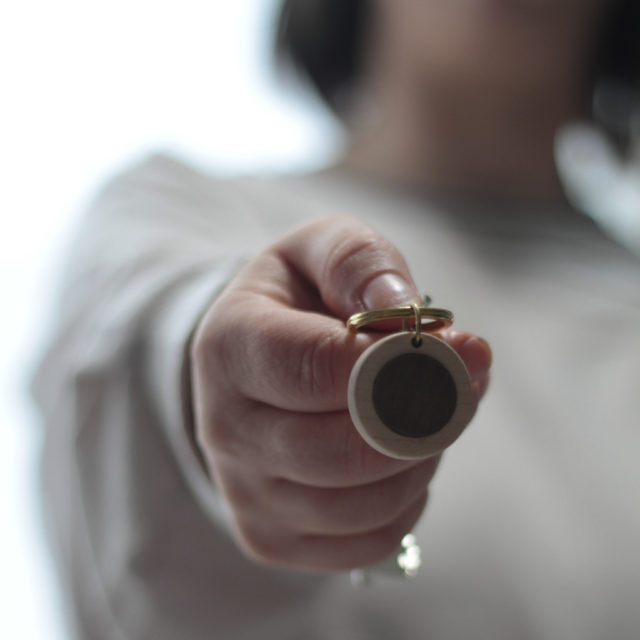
pixel 416 342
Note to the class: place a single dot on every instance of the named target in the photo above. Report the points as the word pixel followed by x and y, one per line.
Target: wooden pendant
pixel 408 398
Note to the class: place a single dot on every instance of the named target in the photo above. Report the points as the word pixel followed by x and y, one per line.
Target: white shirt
pixel 533 524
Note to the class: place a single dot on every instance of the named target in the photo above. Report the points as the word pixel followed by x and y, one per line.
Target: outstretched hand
pixel 271 360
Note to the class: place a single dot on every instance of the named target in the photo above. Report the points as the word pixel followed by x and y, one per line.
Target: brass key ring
pixel 439 318
pixel 409 396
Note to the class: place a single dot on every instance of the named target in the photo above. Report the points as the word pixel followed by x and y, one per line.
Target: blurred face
pixel 490 40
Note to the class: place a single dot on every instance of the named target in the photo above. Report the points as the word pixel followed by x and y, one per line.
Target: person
pixel 202 477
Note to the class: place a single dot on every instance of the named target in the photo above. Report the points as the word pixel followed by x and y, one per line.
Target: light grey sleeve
pixel 153 250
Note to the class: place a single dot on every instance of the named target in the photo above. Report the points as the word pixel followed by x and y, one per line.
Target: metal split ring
pixel 419 312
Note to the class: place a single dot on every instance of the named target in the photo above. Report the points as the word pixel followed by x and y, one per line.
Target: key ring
pixel 410 397
pixel 439 318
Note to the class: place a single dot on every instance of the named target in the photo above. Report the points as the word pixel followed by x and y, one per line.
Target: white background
pixel 87 86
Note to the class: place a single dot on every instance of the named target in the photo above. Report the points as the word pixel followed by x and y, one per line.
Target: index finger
pixel 287 358
pixel 353 267
pixel 282 351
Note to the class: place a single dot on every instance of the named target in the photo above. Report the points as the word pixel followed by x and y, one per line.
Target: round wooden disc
pixel 410 402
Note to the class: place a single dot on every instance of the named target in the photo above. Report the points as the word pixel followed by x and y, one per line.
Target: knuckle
pixel 200 347
pixel 355 459
pixel 314 369
pixel 389 497
pixel 213 433
pixel 210 344
pixel 352 454
pixel 354 249
pixel 381 503
pixel 221 351
pixel 227 430
pixel 210 422
pixel 386 540
pixel 399 493
pixel 253 546
pixel 260 547
pixel 237 493
pixel 346 511
pixel 334 510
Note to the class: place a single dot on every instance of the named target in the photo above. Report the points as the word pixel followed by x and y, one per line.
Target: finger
pixel 474 352
pixel 353 267
pixel 350 511
pixel 291 359
pixel 353 552
pixel 476 355
pixel 298 360
pixel 269 545
pixel 317 450
pixel 480 387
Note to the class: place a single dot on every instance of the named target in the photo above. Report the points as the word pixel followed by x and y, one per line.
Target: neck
pixel 466 135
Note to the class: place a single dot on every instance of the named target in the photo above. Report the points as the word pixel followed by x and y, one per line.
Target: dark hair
pixel 618 50
pixel 324 40
pixel 616 72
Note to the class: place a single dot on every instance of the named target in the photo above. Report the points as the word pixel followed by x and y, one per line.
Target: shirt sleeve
pixel 153 250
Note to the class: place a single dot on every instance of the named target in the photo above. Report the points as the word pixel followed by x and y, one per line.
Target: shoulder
pixel 164 182
pixel 166 177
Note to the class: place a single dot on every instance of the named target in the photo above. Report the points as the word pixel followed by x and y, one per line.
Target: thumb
pixel 352 266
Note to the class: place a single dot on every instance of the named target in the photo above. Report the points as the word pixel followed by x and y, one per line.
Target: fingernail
pixel 387 290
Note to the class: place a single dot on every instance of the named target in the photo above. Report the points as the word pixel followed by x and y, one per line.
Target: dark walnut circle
pixel 414 395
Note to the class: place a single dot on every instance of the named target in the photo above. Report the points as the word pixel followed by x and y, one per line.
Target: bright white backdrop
pixel 87 86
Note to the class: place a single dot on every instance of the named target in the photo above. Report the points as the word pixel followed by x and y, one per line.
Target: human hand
pixel 270 361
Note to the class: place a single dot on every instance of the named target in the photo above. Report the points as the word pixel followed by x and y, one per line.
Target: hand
pixel 270 366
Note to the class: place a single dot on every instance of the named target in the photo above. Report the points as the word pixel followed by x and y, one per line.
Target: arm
pixel 150 261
